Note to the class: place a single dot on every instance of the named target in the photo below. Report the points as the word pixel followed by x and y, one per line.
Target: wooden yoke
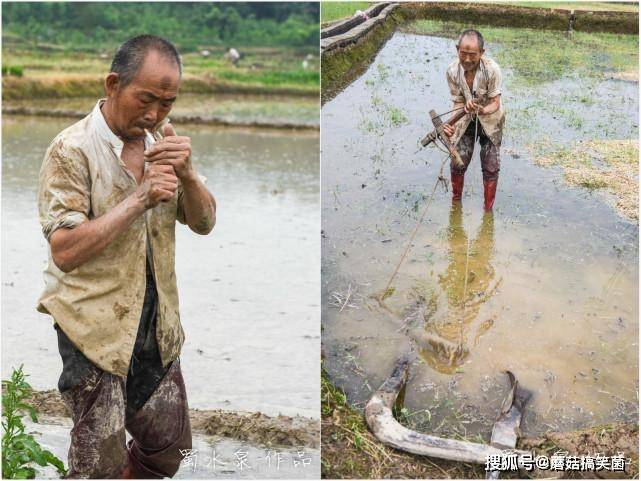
pixel 440 134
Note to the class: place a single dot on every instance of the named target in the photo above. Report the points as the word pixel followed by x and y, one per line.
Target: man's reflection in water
pixel 444 339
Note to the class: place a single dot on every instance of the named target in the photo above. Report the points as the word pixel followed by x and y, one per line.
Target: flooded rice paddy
pixel 546 287
pixel 231 108
pixel 248 291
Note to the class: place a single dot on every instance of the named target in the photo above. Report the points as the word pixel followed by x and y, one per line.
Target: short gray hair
pixel 472 33
pixel 131 55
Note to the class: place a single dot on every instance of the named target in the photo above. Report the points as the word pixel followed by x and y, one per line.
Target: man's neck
pixel 105 108
pixel 107 113
pixel 471 73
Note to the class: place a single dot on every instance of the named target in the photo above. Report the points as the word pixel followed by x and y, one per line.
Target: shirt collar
pixel 477 76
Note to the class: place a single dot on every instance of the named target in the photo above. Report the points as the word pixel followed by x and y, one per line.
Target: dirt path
pixel 256 428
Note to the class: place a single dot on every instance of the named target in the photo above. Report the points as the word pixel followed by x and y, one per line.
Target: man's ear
pixel 112 83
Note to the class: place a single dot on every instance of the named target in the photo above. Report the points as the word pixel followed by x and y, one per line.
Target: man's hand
pixel 471 107
pixel 448 130
pixel 159 184
pixel 172 150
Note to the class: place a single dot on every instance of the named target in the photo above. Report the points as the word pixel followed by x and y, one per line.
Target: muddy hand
pixel 172 150
pixel 159 184
pixel 471 106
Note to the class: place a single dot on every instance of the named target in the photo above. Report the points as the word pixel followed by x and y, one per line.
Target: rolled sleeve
pixel 495 81
pixel 64 189
pixel 180 212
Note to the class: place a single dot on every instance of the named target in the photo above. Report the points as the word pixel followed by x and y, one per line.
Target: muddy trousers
pixel 490 153
pixel 151 404
pixel 159 430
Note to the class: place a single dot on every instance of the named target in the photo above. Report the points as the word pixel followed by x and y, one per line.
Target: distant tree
pixel 100 25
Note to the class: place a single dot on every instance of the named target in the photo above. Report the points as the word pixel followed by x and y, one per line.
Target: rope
pixel 445 113
pixel 415 231
pixel 467 254
pixel 418 224
pixel 467 263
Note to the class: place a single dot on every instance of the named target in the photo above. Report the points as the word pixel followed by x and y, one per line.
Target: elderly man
pixel 111 189
pixel 475 85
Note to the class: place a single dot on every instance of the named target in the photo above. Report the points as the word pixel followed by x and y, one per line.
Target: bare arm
pixel 71 248
pixel 199 205
pixel 492 106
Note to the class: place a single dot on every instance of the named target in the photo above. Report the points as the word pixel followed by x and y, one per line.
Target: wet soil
pixel 211 457
pixel 608 440
pixel 256 428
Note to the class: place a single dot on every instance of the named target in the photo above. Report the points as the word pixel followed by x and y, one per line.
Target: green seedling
pixel 388 292
pixel 19 449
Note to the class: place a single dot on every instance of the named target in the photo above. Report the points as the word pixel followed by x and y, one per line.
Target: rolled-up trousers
pixel 490 153
pixel 151 404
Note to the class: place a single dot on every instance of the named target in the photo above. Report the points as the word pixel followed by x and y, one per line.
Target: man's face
pixel 469 53
pixel 148 99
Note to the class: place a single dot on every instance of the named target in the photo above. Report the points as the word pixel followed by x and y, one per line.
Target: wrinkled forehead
pixel 469 44
pixel 158 72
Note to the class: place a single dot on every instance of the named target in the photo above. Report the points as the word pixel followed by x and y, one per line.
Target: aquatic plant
pixel 19 449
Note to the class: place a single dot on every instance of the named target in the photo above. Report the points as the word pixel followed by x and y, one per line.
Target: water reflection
pixel 467 282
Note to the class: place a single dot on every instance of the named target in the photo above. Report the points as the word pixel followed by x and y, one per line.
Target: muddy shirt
pixel 98 304
pixel 487 84
pixel 145 370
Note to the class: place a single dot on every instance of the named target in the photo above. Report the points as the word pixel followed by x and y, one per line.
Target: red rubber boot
pixel 457 186
pixel 489 193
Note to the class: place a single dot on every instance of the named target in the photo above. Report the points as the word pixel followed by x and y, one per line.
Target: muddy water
pixel 546 287
pixel 248 292
pixel 232 108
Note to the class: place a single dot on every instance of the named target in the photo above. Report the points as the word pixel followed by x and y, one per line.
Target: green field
pixel 331 11
pixel 55 49
pixel 593 6
pixel 81 73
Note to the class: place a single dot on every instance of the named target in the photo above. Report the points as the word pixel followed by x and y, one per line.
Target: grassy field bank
pixel 582 6
pixel 59 74
pixel 331 11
